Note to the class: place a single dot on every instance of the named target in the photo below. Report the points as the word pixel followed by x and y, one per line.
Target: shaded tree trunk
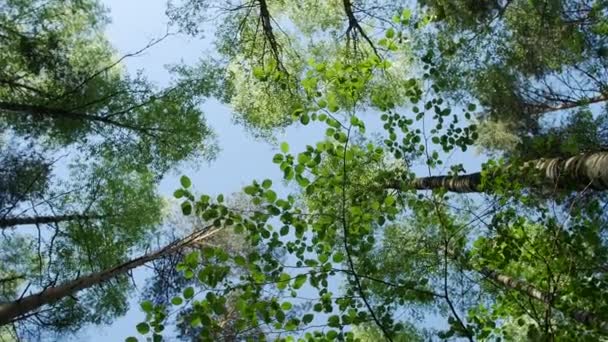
pixel 41 111
pixel 546 108
pixel 463 183
pixel 12 311
pixel 585 317
pixel 18 221
pixel 589 170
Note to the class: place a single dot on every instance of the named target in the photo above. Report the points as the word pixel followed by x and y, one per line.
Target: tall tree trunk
pixel 542 109
pixel 42 111
pixel 18 221
pixel 589 170
pixel 10 312
pixel 584 317
pixel 463 183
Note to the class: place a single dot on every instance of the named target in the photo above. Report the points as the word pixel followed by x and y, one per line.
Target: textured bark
pixel 464 183
pixel 515 284
pixel 586 318
pixel 10 312
pixel 18 221
pixel 589 170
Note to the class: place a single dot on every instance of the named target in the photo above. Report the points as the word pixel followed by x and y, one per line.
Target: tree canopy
pixel 380 230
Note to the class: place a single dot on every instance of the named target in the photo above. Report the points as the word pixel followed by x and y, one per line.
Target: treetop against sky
pixel 316 171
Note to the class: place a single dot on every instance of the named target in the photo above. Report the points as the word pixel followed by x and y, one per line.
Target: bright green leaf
pixel 185 181
pixel 143 328
pixel 189 292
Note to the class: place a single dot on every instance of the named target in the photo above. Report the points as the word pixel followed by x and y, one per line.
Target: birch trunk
pixel 589 170
pixel 18 221
pixel 10 312
pixel 584 317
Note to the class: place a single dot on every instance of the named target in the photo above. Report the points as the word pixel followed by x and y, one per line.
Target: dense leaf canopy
pixel 379 230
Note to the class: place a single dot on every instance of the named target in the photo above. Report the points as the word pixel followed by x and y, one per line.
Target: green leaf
pixel 143 328
pixel 189 292
pixel 338 257
pixel 176 300
pixel 307 318
pixel 283 281
pixel 390 33
pixel 195 322
pixel 239 260
pixel 389 200
pixel 185 181
pixel 179 193
pixel 280 316
pixel 147 306
pixel 290 326
pixel 304 119
pixel 297 111
pixel 250 190
pixel 271 196
pixel 267 183
pixel 284 147
pixel 286 306
pixel 299 281
pixel 333 321
pixel 131 339
pixel 323 257
pixel 192 258
pixel 186 208
pixel 471 107
pixel 188 274
pixel 218 308
pixel 259 73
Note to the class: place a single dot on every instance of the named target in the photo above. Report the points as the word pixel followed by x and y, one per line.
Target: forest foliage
pixel 379 233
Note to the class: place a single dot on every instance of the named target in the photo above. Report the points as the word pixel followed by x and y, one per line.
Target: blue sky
pixel 241 158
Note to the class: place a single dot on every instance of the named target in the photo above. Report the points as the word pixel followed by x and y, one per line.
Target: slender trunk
pixel 18 221
pixel 585 317
pixel 266 21
pixel 589 170
pixel 542 109
pixel 463 183
pixel 43 111
pixel 11 311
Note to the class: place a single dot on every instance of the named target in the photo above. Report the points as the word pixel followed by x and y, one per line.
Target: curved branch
pixel 347 248
pixel 43 111
pixel 353 25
